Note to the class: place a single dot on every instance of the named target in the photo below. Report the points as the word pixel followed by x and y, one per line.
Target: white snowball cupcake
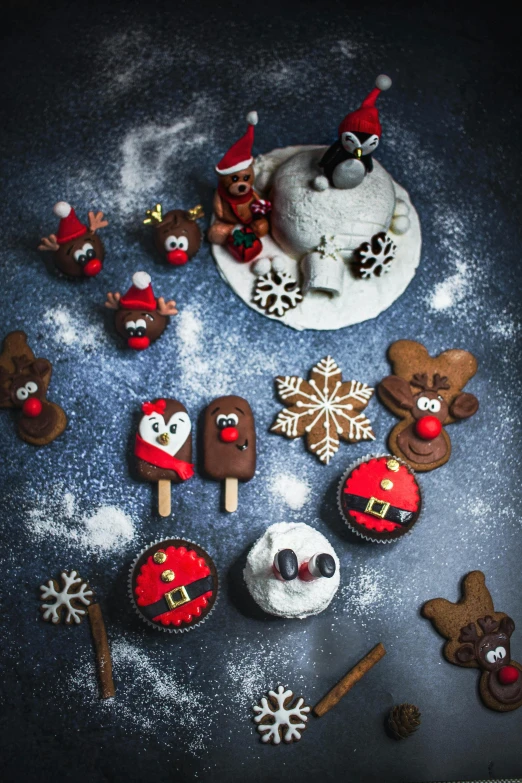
pixel 292 571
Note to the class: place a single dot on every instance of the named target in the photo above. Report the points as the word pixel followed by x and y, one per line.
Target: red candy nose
pixel 92 267
pixel 428 427
pixel 508 675
pixel 32 407
pixel 229 434
pixel 177 257
pixel 138 343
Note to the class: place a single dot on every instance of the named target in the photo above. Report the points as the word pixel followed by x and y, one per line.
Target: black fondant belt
pixel 178 597
pixel 378 508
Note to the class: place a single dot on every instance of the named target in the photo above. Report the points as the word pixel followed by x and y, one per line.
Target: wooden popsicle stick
pixel 164 497
pixel 103 654
pixel 348 681
pixel 231 494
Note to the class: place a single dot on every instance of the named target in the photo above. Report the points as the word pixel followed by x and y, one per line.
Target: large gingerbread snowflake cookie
pixel 281 717
pixel 323 409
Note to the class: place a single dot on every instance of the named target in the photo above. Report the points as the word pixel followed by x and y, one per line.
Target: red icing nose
pixel 229 434
pixel 92 267
pixel 508 675
pixel 32 407
pixel 428 427
pixel 177 257
pixel 138 343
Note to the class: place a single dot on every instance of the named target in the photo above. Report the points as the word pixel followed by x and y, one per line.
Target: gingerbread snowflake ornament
pixel 323 409
pixel 281 717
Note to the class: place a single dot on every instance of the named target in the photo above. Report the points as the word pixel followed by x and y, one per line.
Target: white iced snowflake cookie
pixel 306 592
pixel 281 716
pixel 74 591
pixel 323 409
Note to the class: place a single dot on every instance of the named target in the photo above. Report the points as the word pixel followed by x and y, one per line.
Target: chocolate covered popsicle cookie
pixel 163 447
pixel 229 444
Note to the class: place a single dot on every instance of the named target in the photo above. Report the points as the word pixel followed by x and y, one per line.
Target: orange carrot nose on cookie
pixel 428 428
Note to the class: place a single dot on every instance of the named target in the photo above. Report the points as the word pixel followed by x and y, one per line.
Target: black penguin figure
pixel 337 152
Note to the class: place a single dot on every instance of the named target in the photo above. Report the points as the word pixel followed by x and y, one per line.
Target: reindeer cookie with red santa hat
pixel 347 161
pixel 240 214
pixel 426 393
pixel 78 250
pixel 479 638
pixel 140 317
pixel 24 381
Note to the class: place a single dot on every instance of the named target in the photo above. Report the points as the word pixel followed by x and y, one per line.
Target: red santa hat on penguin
pixel 239 156
pixel 140 295
pixel 365 119
pixel 70 227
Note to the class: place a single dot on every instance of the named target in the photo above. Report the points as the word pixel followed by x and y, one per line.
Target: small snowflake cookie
pixel 324 409
pixel 373 258
pixel 70 599
pixel 276 290
pixel 281 717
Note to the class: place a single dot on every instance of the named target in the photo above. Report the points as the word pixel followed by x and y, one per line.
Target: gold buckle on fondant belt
pixel 380 513
pixel 171 602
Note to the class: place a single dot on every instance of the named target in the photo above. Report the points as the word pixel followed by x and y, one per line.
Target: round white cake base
pixel 359 301
pixel 296 598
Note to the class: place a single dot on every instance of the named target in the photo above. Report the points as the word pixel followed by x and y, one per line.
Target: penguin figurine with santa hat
pixel 347 161
pixel 78 250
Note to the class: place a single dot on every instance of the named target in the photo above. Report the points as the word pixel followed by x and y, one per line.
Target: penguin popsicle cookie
pixel 163 447
pixel 229 444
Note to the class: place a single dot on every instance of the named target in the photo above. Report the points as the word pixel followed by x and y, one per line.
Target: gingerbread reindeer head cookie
pixel 426 392
pixel 478 637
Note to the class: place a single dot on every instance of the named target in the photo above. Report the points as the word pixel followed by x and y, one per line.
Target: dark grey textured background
pixel 116 108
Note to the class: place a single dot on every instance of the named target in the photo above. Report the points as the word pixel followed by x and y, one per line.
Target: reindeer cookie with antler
pixel 177 236
pixel 426 393
pixel 479 638
pixel 78 250
pixel 24 381
pixel 140 317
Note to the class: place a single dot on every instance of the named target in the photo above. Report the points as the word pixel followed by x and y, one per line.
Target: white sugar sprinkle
pixel 292 490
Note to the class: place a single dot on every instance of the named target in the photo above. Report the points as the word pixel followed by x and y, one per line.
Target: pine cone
pixel 403 720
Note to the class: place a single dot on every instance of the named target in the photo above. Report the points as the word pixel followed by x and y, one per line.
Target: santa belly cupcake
pixel 379 498
pixel 173 585
pixel 292 571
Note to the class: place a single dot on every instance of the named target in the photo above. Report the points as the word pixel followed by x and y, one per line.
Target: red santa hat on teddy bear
pixel 239 156
pixel 365 119
pixel 70 227
pixel 140 295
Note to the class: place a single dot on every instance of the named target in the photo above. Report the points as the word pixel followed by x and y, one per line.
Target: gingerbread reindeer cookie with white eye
pixel 479 638
pixel 426 393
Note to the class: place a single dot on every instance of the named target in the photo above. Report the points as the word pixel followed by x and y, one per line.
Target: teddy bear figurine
pixel 241 216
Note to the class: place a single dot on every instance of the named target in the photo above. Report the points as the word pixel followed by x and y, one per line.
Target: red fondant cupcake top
pixel 387 481
pixel 186 566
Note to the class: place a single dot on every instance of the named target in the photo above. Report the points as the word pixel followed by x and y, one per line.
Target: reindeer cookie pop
pixel 78 250
pixel 140 317
pixel 426 393
pixel 24 381
pixel 176 235
pixel 479 638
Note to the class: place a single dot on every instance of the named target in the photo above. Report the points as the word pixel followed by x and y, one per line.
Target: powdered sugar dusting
pixel 108 529
pixel 292 490
pixel 70 329
pixel 450 291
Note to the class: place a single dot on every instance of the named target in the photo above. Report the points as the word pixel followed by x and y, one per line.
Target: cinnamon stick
pixel 103 654
pixel 349 680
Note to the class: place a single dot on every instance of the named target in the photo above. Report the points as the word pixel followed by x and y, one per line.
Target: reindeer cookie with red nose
pixel 176 234
pixel 24 381
pixel 78 250
pixel 140 317
pixel 479 638
pixel 426 393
